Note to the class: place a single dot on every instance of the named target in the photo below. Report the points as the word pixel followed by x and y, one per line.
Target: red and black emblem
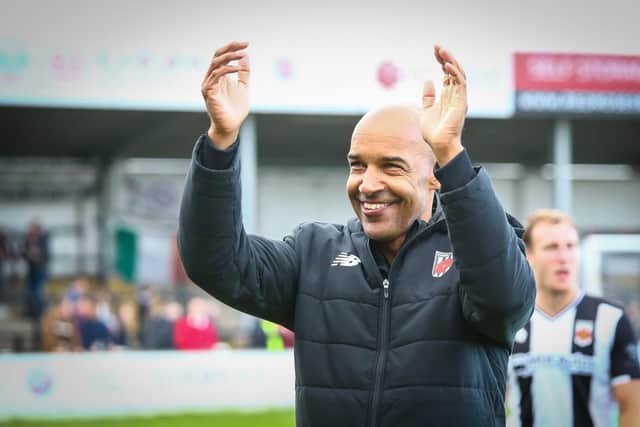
pixel 442 262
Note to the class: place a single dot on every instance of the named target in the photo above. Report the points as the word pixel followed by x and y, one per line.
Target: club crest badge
pixel 442 262
pixel 584 333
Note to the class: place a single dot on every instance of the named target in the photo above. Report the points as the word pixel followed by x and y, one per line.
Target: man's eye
pixel 356 166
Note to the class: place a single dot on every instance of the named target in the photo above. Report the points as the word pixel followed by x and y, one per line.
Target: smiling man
pixel 406 315
pixel 391 175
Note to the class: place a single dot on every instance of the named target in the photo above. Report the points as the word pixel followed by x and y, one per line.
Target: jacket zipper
pixel 381 358
pixel 382 354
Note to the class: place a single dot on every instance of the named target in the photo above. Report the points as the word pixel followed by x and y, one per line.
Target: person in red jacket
pixel 196 330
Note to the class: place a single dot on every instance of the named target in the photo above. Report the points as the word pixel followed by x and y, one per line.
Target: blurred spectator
pixel 78 287
pixel 59 330
pixel 144 295
pixel 126 332
pixel 94 334
pixel 104 311
pixel 36 254
pixel 271 336
pixel 173 311
pixel 121 322
pixel 196 330
pixel 287 336
pixel 157 330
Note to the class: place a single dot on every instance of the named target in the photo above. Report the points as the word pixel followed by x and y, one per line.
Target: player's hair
pixel 549 216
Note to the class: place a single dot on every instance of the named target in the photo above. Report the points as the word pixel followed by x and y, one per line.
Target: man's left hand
pixel 442 121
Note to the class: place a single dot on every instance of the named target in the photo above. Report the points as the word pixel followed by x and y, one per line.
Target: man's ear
pixel 527 254
pixel 433 183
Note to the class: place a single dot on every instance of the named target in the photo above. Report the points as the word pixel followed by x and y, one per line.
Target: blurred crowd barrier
pixel 128 383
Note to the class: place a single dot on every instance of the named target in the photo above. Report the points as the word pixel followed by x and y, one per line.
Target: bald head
pixel 395 122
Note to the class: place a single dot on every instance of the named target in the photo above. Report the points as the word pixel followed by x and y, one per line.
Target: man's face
pixel 553 255
pixel 388 173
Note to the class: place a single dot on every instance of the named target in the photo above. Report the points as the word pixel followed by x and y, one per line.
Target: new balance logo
pixel 345 259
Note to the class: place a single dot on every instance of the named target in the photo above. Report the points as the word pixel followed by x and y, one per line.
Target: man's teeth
pixel 372 206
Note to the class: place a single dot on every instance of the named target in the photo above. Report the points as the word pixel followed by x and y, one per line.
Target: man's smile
pixel 374 208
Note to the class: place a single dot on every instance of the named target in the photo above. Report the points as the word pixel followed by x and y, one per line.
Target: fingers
pixel 444 56
pixel 221 66
pixel 243 70
pixel 224 59
pixel 224 68
pixel 450 65
pixel 219 73
pixel 455 75
pixel 233 46
pixel 428 94
pixel 454 80
pixel 226 54
pixel 436 53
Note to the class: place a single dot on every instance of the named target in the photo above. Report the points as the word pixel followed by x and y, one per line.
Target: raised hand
pixel 442 121
pixel 227 99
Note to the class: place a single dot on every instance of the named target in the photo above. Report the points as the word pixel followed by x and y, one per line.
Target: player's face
pixel 553 256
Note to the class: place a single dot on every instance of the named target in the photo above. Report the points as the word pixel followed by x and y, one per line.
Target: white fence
pixel 127 383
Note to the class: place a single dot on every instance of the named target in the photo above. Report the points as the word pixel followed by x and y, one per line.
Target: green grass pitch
pixel 281 418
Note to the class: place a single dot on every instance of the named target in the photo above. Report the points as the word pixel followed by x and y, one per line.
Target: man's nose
pixel 565 254
pixel 371 182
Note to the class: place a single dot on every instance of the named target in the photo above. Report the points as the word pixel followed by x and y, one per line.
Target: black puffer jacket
pixel 426 347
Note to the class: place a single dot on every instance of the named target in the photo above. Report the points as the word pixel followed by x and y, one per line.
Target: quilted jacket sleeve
pixel 496 282
pixel 250 273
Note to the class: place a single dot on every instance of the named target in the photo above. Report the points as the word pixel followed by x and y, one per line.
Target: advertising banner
pixel 144 382
pixel 577 83
pixel 125 55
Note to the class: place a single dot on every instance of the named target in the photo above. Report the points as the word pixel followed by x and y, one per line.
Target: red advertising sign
pixel 541 72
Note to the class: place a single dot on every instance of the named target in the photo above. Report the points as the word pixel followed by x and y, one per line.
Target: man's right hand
pixel 227 99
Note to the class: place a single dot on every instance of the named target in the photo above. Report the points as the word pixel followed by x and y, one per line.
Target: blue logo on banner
pixel 14 58
pixel 40 382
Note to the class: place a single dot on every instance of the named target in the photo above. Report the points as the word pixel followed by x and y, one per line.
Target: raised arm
pixel 249 273
pixel 497 285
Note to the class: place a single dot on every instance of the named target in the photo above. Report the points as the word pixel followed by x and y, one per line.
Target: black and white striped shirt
pixel 563 367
